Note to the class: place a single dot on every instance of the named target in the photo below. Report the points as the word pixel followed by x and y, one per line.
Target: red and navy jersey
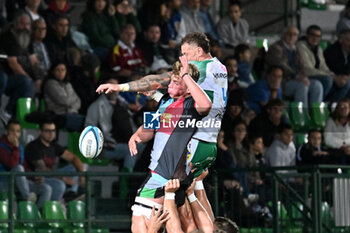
pixel 124 57
pixel 176 129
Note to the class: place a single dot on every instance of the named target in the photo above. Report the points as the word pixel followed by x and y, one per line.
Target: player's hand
pixel 172 186
pixel 190 189
pixel 185 66
pixel 132 144
pixel 156 220
pixel 107 88
pixel 203 175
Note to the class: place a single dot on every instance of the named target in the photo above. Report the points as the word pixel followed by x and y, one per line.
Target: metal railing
pixel 312 177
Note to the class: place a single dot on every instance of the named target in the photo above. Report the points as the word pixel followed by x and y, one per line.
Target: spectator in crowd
pixel 215 49
pixel 110 113
pixel 232 76
pixel 282 151
pixel 313 152
pixel 101 27
pixel 60 44
pixel 60 97
pixel 232 29
pixel 54 10
pixel 337 55
pixel 151 48
pixel 84 81
pixel 17 80
pixel 152 12
pixel 125 14
pixel 311 62
pixel 126 56
pixel 344 18
pixel 295 85
pixel 191 20
pixel 32 8
pixel 39 49
pixel 268 122
pixel 259 93
pixel 337 130
pixel 256 146
pixel 42 155
pixel 170 30
pixel 242 55
pixel 12 159
pixel 204 12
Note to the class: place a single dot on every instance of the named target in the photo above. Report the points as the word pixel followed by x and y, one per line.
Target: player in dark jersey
pixel 185 105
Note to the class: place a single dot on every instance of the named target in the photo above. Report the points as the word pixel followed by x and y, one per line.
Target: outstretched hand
pixel 156 220
pixel 108 88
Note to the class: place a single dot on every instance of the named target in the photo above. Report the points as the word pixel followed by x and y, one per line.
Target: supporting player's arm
pixel 147 83
pixel 201 194
pixel 201 216
pixel 202 101
pixel 141 135
pixel 173 225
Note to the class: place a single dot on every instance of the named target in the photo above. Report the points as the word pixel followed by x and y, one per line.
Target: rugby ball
pixel 91 142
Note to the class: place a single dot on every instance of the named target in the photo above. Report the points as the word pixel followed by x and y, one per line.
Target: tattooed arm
pixel 147 83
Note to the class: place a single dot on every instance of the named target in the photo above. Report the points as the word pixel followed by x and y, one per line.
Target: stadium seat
pixel 326 215
pixel 300 138
pixel 299 117
pixel 28 210
pixel 314 5
pixel 76 211
pixel 262 43
pixel 52 210
pixel 267 230
pixel 4 214
pixel 319 114
pixel 24 107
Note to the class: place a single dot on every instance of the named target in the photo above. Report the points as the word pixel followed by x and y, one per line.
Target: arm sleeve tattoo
pixel 150 82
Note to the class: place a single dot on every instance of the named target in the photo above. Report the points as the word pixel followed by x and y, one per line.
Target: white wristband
pixel 192 198
pixel 169 196
pixel 199 185
pixel 124 87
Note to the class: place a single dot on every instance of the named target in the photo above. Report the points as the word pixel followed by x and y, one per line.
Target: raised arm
pixel 173 225
pixel 147 83
pixel 201 216
pixel 202 101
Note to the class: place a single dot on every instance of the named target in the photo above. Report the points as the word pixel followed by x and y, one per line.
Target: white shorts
pixel 143 207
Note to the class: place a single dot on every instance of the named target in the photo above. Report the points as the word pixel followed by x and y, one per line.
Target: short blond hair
pixel 192 71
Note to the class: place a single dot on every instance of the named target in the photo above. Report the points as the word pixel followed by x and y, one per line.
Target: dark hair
pixel 229 58
pixel 225 225
pixel 12 121
pixel 272 68
pixel 199 39
pixel 126 26
pixel 90 5
pixel 40 19
pixel 313 131
pixel 46 122
pixel 252 138
pixel 284 127
pixel 313 28
pixel 335 115
pixel 235 3
pixel 274 102
pixel 240 49
pixel 52 70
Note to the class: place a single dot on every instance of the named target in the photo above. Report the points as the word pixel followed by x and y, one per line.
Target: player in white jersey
pixel 213 80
